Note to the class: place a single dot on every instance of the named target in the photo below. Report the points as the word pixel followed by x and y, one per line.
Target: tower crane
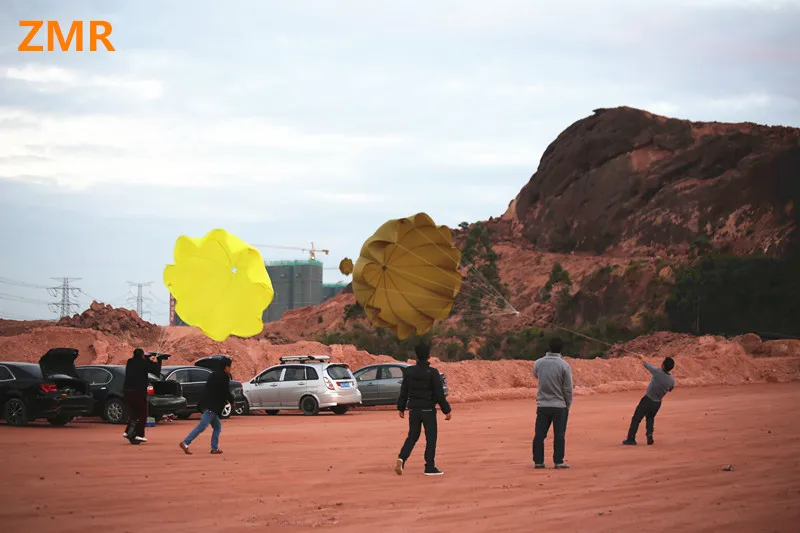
pixel 312 251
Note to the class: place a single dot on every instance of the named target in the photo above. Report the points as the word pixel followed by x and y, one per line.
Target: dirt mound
pixel 119 322
pixel 17 327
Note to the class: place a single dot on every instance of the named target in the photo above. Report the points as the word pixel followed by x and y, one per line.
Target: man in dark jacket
pixel 216 394
pixel 135 392
pixel 421 391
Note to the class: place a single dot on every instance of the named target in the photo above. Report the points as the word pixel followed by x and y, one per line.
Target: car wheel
pixel 61 420
pixel 15 412
pixel 244 410
pixel 309 405
pixel 226 411
pixel 340 409
pixel 272 412
pixel 114 411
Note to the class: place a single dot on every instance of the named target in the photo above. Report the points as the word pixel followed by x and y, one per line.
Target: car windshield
pixel 339 372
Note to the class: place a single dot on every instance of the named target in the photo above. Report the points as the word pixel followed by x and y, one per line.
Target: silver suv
pixel 305 382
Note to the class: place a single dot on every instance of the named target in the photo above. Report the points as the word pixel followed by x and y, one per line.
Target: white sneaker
pixel 398 467
pixel 140 439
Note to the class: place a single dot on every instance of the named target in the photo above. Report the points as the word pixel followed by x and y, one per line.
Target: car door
pixel 367 380
pixel 292 387
pixel 264 393
pixel 390 379
pixel 98 380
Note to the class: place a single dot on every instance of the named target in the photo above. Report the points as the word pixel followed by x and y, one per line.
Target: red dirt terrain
pixel 334 473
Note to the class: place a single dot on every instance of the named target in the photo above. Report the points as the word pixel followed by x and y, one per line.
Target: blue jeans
pixel 209 417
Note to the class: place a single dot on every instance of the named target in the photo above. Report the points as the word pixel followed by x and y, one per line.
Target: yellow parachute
pixel 406 276
pixel 346 266
pixel 220 285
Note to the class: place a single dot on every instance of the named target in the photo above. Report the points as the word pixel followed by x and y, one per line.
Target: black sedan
pixel 193 380
pixel 50 389
pixel 106 383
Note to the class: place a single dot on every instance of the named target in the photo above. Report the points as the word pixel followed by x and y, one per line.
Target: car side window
pixel 97 376
pixel 181 376
pixel 392 372
pixel 5 374
pixel 295 373
pixel 197 375
pixel 270 376
pixel 311 374
pixel 368 375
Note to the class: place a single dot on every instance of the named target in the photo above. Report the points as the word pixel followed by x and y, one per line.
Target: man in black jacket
pixel 135 392
pixel 216 394
pixel 421 391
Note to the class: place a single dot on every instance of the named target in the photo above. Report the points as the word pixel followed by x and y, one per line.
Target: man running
pixel 553 398
pixel 135 393
pixel 660 384
pixel 216 394
pixel 420 392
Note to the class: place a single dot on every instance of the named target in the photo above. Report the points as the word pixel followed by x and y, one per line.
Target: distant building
pixel 296 284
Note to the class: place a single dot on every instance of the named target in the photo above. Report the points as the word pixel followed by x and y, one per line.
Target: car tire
pixel 61 420
pixel 244 410
pixel 272 412
pixel 340 409
pixel 309 405
pixel 15 412
pixel 227 411
pixel 114 411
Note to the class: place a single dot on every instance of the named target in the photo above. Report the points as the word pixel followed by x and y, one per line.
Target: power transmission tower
pixel 65 294
pixel 140 298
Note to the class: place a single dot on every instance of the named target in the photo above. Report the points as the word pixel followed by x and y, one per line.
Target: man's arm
pixel 438 390
pixel 153 367
pixel 402 400
pixel 536 369
pixel 567 386
pixel 652 369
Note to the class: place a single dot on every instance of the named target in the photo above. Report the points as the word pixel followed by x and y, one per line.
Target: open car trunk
pixel 59 361
pixel 162 388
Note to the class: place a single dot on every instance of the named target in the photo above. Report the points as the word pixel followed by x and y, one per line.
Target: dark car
pixel 106 383
pixel 51 389
pixel 380 384
pixel 193 381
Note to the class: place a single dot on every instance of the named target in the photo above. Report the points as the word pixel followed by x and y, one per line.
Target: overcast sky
pixel 292 121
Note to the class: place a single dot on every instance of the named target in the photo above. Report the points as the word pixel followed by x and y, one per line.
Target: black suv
pixel 106 383
pixel 193 380
pixel 51 389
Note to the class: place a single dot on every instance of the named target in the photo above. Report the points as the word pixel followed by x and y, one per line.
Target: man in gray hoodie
pixel 554 397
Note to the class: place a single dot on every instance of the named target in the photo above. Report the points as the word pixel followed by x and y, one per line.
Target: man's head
pixel 139 353
pixel 423 351
pixel 226 365
pixel 556 345
pixel 668 364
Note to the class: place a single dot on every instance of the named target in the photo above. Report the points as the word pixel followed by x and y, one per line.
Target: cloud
pixel 50 79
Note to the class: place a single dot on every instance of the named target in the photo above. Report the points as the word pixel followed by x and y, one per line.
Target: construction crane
pixel 312 251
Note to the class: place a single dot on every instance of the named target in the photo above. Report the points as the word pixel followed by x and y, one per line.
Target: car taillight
pixel 47 387
pixel 150 390
pixel 329 384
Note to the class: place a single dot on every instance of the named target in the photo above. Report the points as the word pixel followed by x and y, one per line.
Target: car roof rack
pixel 304 358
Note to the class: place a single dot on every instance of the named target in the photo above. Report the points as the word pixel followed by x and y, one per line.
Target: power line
pixel 65 306
pixel 140 298
pixel 24 299
pixel 8 281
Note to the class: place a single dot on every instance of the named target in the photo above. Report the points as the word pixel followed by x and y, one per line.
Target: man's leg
pixel 141 422
pixel 543 419
pixel 131 411
pixel 205 420
pixel 414 430
pixel 431 434
pixel 651 420
pixel 640 412
pixel 559 435
pixel 216 426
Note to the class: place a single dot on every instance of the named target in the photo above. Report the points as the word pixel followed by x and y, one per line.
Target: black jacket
pixel 422 388
pixel 217 393
pixel 136 370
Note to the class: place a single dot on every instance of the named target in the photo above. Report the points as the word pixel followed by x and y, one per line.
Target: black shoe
pixel 629 442
pixel 650 441
pixel 433 472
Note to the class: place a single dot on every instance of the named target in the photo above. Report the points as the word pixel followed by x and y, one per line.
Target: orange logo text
pixel 99 30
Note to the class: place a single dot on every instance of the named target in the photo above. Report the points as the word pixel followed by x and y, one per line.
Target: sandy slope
pixel 330 473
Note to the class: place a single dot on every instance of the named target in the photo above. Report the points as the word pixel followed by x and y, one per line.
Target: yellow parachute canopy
pixel 346 266
pixel 406 276
pixel 220 285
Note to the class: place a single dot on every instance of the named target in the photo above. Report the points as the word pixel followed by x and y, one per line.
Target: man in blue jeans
pixel 216 394
pixel 553 398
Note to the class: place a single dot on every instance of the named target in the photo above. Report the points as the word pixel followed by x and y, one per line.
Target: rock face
pixel 625 181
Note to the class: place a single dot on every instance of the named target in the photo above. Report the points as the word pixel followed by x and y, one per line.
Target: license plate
pixel 344 385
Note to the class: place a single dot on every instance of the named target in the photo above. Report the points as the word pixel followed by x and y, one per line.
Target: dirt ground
pixel 293 473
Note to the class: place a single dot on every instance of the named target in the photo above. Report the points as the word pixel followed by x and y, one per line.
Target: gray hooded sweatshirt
pixel 555 381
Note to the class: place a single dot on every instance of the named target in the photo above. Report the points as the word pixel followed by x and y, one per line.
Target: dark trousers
pixel 416 419
pixel 647 409
pixel 545 416
pixel 136 403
